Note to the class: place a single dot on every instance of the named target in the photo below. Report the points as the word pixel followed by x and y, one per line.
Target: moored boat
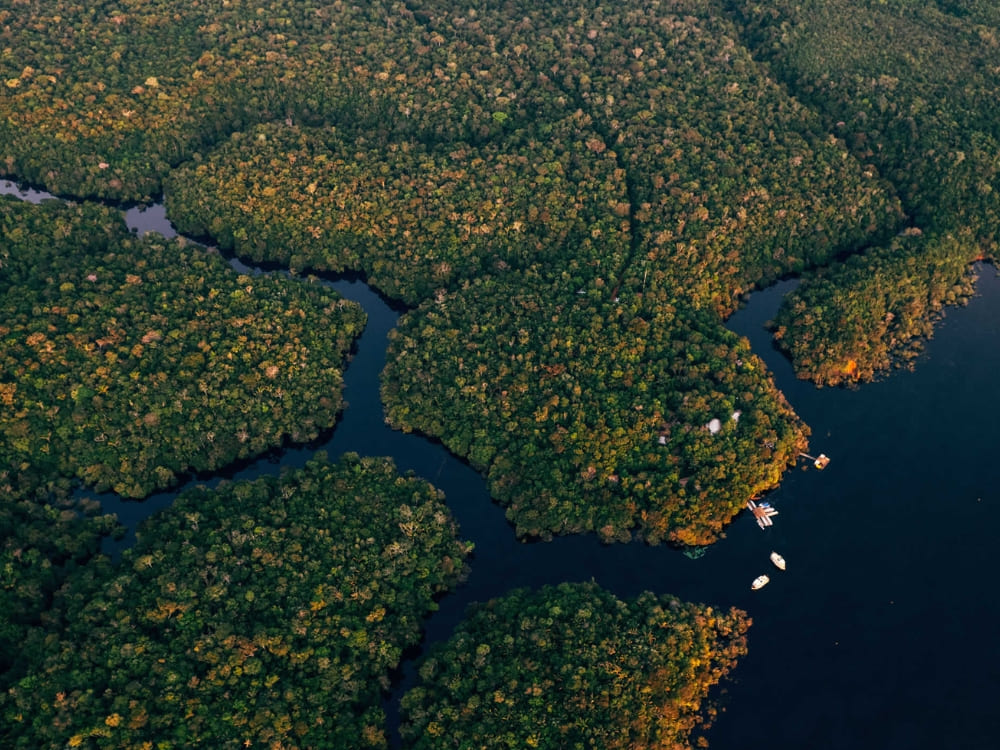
pixel 759 582
pixel 778 560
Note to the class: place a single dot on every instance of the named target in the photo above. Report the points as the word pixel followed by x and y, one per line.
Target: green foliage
pixel 267 612
pixel 43 540
pixel 588 413
pixel 856 319
pixel 911 88
pixel 634 150
pixel 654 115
pixel 102 102
pixel 661 158
pixel 573 667
pixel 572 197
pixel 732 182
pixel 124 362
pixel 414 218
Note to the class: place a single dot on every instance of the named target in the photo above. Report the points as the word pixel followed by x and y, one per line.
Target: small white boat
pixel 778 560
pixel 759 582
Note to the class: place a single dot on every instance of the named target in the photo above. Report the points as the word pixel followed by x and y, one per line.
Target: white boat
pixel 759 582
pixel 778 560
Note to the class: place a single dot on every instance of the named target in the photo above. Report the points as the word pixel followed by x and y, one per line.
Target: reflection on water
pixel 26 194
pixel 143 219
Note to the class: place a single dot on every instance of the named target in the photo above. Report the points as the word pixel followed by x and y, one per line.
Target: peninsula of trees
pixel 573 667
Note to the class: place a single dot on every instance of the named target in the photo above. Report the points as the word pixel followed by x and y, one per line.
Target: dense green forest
pixel 592 414
pixel 592 218
pixel 414 218
pixel 572 666
pixel 126 362
pixel 568 199
pixel 911 88
pixel 260 613
pixel 871 313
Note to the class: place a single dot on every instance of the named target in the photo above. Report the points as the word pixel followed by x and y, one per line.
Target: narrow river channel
pixel 880 634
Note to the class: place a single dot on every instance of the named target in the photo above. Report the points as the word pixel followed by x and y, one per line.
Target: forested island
pixel 568 201
pixel 606 659
pixel 262 612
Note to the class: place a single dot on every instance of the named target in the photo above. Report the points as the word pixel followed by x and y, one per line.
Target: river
pixel 879 635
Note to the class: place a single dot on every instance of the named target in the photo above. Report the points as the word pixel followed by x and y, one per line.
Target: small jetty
pixel 778 560
pixel 820 462
pixel 759 582
pixel 762 512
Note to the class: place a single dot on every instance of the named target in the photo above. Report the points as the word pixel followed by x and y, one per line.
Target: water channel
pixel 881 632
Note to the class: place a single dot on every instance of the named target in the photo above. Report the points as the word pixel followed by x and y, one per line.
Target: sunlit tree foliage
pixel 414 218
pixel 591 414
pixel 573 666
pixel 857 319
pixel 911 88
pixel 126 361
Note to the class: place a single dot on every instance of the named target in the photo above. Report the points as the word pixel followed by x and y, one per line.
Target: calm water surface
pixel 882 632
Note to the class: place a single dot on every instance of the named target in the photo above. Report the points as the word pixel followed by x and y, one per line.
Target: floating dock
pixel 820 462
pixel 762 512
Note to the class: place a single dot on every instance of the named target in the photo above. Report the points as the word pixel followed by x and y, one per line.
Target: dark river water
pixel 881 634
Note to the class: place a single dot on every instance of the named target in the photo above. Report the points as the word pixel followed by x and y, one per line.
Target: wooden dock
pixel 763 512
pixel 820 462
